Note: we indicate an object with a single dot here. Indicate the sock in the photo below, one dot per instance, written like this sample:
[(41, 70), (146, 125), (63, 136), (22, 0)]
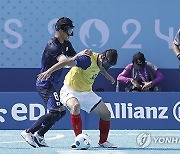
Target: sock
[(76, 124), (104, 127)]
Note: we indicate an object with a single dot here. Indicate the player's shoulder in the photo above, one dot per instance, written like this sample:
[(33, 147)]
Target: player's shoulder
[(52, 48), (83, 61), (52, 43), (67, 42)]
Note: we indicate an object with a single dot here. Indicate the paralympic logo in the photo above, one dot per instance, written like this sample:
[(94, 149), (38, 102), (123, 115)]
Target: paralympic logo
[(86, 31)]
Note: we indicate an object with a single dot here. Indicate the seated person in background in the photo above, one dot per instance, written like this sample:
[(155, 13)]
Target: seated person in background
[(141, 74)]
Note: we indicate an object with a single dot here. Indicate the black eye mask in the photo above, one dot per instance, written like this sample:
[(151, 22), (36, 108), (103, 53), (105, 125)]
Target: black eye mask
[(68, 31), (106, 64)]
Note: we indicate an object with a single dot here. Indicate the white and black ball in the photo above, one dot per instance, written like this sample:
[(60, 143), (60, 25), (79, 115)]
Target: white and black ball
[(83, 141)]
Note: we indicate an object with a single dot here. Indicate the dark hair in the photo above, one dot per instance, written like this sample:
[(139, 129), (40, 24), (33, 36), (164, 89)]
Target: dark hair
[(64, 23), (111, 55), (138, 60)]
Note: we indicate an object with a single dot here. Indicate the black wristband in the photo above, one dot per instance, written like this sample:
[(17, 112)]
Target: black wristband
[(178, 56)]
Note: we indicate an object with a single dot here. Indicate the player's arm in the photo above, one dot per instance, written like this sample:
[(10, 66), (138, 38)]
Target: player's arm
[(62, 57), (107, 75), (82, 61), (66, 62)]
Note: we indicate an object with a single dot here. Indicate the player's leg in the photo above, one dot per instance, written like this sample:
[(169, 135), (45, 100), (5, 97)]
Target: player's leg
[(74, 107), (56, 112), (42, 125), (104, 124), (28, 134), (68, 98), (54, 116), (45, 122), (56, 108)]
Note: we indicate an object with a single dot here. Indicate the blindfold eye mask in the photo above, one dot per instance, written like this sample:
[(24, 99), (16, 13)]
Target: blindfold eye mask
[(105, 63), (68, 31)]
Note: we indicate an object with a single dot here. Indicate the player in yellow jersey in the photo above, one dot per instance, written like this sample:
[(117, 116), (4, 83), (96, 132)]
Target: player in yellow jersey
[(77, 91)]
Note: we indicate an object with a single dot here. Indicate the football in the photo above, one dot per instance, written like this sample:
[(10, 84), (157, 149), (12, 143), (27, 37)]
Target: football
[(83, 141)]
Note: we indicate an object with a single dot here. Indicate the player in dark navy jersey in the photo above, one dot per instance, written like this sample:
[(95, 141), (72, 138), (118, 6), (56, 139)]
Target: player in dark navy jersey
[(57, 49)]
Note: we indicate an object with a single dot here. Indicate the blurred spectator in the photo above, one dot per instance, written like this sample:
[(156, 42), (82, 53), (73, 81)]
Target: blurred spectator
[(176, 44), (141, 75)]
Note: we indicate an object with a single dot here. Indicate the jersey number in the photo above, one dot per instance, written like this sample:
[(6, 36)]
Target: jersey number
[(57, 98)]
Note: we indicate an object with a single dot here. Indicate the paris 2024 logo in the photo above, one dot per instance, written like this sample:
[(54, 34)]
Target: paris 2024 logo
[(94, 33)]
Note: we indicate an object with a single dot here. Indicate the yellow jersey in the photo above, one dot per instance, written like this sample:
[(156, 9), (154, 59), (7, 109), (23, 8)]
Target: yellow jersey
[(82, 80)]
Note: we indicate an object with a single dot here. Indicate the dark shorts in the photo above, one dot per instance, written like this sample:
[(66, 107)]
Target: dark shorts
[(50, 96)]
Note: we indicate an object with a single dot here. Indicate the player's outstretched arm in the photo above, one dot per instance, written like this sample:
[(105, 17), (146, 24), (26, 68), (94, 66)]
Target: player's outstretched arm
[(66, 62), (63, 62), (107, 75)]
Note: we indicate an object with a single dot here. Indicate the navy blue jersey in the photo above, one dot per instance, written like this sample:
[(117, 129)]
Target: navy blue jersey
[(52, 50), (83, 61)]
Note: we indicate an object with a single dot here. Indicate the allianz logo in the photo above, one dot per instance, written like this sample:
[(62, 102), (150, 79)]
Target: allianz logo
[(128, 111), (21, 112)]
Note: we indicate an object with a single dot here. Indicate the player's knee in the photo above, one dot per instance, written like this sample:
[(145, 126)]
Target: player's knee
[(75, 109)]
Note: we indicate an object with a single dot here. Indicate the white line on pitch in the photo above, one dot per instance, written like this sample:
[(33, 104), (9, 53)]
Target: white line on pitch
[(52, 138)]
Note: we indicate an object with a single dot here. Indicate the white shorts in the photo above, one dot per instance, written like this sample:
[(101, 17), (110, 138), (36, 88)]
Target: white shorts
[(87, 100)]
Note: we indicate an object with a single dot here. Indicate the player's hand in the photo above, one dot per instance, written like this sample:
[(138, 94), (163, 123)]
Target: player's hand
[(146, 86), (43, 76), (87, 52), (112, 80)]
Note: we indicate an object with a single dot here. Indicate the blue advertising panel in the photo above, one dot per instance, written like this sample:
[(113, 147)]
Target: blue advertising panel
[(126, 25), (128, 111)]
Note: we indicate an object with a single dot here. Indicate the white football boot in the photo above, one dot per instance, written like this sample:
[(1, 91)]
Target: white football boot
[(107, 145), (40, 140), (29, 138)]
